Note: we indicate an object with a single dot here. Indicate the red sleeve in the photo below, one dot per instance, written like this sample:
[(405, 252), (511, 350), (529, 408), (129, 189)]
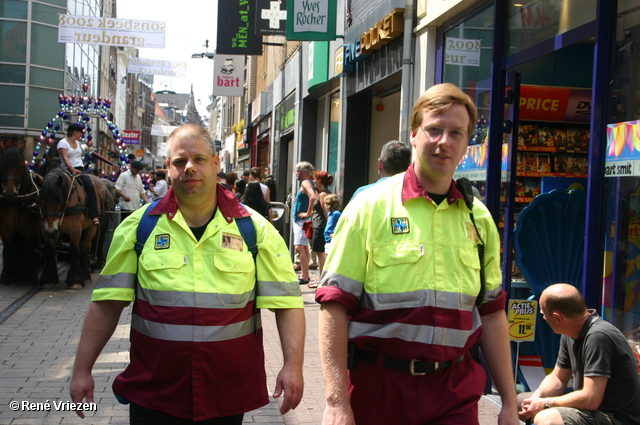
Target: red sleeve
[(335, 294), (490, 307)]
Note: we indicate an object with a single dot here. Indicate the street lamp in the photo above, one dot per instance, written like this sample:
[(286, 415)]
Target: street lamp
[(207, 54)]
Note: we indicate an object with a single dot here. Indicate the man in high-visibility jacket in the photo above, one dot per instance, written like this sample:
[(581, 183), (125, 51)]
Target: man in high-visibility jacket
[(400, 288), (196, 338)]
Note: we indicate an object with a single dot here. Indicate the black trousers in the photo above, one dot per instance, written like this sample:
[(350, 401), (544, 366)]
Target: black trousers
[(92, 201), (139, 415)]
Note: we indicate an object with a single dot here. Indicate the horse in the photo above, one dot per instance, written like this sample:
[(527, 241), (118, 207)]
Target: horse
[(19, 220), (63, 210)]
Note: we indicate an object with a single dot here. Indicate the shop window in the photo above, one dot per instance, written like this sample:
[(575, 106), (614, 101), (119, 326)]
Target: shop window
[(621, 300), (14, 9), (534, 21), (12, 106), (14, 41), (46, 14), (47, 77), (40, 106), (14, 74), (45, 49), (468, 51)]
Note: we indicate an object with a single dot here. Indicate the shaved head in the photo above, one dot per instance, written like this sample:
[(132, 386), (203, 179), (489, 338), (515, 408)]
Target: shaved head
[(564, 299)]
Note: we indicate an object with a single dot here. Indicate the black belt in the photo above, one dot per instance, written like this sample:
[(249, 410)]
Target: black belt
[(413, 366)]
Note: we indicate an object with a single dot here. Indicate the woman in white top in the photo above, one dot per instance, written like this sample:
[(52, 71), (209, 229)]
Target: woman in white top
[(71, 155), (161, 187)]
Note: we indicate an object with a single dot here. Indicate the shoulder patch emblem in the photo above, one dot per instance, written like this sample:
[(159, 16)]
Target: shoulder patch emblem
[(399, 225), (162, 241)]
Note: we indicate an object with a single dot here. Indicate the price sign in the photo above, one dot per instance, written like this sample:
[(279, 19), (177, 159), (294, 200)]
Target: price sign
[(522, 319)]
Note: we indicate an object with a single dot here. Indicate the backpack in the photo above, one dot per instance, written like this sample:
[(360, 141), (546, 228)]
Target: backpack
[(245, 226), (465, 187)]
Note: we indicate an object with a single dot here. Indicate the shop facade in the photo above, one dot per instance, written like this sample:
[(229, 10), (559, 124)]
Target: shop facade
[(556, 86), (371, 91)]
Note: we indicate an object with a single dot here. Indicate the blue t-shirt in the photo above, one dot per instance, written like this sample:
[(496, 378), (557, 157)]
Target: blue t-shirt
[(332, 222), (301, 204)]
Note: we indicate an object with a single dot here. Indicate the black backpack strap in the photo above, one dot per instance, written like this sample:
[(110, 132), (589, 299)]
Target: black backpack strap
[(464, 186), (248, 232)]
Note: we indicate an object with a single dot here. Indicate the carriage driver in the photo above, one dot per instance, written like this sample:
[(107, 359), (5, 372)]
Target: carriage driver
[(71, 154)]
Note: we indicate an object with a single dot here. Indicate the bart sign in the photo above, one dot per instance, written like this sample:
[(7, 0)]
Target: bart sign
[(522, 319)]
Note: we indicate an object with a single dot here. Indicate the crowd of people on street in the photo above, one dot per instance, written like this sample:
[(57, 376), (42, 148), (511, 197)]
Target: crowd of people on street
[(412, 310)]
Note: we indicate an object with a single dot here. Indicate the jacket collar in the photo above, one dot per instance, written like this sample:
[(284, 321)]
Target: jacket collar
[(227, 203), (411, 188)]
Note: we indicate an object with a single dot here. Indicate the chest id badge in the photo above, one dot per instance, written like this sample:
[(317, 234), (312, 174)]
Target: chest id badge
[(399, 225), (231, 241), (162, 241)]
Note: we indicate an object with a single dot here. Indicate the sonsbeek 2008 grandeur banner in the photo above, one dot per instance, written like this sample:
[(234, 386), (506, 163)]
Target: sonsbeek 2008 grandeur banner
[(157, 67), (110, 31)]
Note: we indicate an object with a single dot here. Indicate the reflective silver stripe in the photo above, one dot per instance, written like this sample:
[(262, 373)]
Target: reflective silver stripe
[(420, 298), (193, 299), (415, 333), (188, 333), (349, 285), (278, 289), (120, 280), (491, 295)]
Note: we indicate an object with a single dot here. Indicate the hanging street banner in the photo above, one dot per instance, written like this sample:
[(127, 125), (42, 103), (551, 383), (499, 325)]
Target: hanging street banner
[(157, 67), (311, 20), (271, 17), (131, 137), (236, 29), (162, 130), (228, 75), (110, 31)]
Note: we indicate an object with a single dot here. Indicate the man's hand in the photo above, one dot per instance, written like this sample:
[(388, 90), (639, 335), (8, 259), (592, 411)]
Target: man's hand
[(291, 382), (81, 387), (338, 415), (530, 408), (126, 198)]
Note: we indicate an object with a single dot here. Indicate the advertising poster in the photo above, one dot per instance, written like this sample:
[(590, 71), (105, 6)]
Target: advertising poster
[(236, 29), (271, 17), (228, 75)]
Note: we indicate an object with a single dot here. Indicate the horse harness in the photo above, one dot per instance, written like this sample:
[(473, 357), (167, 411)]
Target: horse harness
[(18, 182), (76, 209)]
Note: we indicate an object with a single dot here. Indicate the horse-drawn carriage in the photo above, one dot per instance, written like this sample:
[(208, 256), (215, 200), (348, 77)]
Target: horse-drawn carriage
[(42, 216)]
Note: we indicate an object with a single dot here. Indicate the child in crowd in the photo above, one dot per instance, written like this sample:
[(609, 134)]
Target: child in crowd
[(332, 203)]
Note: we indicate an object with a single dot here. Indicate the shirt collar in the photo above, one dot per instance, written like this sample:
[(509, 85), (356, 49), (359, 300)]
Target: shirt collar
[(227, 203), (411, 188), (587, 323)]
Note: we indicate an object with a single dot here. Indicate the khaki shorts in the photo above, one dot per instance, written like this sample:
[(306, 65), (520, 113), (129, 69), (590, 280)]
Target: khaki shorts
[(572, 416)]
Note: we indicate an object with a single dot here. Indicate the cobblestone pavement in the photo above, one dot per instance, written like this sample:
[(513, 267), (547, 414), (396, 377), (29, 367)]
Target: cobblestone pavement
[(38, 342)]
